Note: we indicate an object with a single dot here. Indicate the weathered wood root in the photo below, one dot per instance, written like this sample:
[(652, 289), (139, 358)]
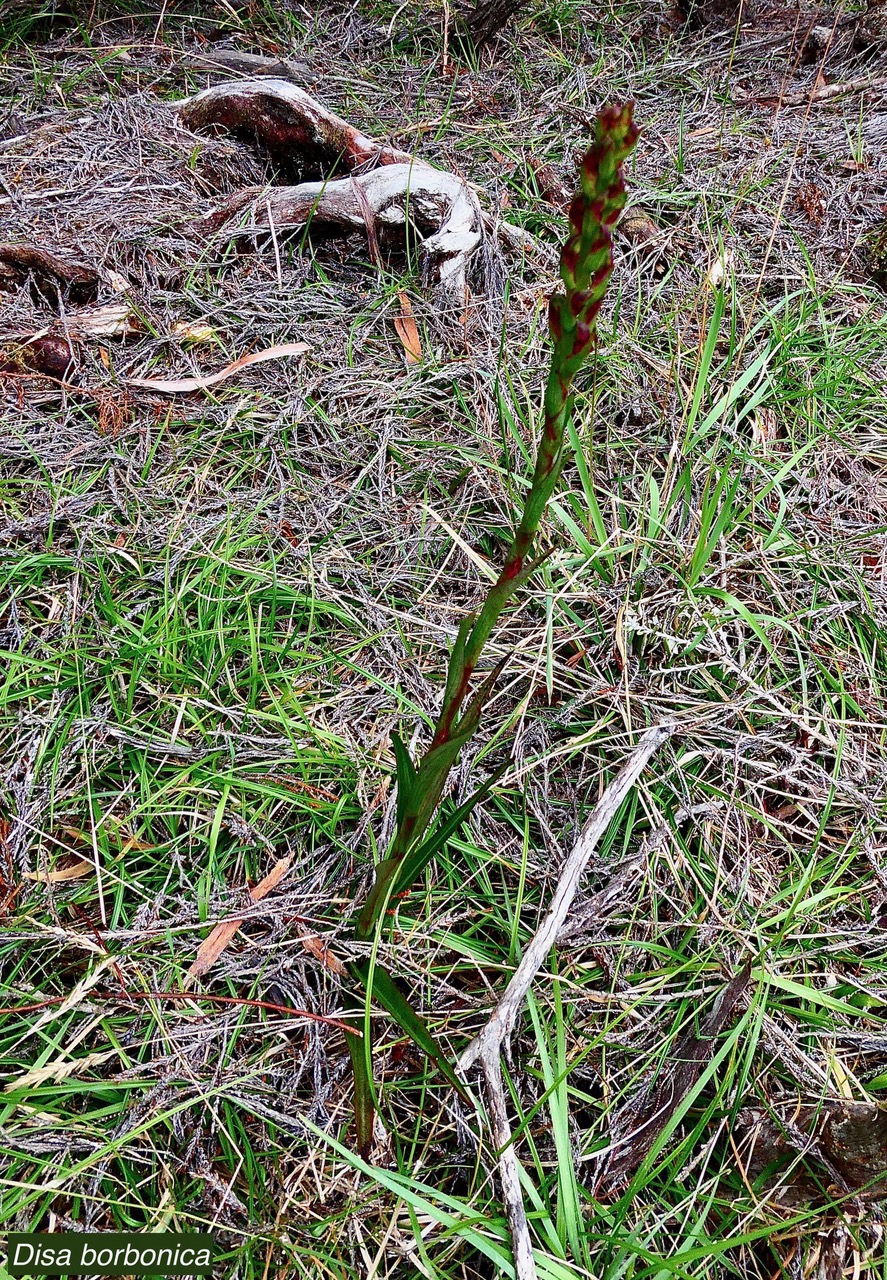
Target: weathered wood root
[(440, 208), (384, 188), (288, 123), (250, 64), (17, 261)]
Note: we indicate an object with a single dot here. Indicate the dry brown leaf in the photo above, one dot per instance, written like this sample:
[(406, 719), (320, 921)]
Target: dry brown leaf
[(552, 188), (405, 324), (318, 948), (213, 946), (114, 829), (637, 226), (118, 282), (112, 321), (620, 637), (74, 833), (133, 843), (75, 871), (210, 380), (828, 1141)]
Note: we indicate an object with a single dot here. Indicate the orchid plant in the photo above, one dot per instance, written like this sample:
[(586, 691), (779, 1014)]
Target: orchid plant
[(586, 266)]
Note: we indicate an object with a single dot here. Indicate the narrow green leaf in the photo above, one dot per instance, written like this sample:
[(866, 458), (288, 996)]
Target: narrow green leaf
[(730, 396), (595, 514), (706, 358), (485, 1234), (406, 778), (750, 619), (712, 526), (395, 1003), (415, 862), (457, 658), (364, 1098)]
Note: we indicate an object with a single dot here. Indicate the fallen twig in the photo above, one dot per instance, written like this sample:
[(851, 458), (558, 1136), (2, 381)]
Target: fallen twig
[(823, 92), (501, 1023), (486, 1047), (862, 84)]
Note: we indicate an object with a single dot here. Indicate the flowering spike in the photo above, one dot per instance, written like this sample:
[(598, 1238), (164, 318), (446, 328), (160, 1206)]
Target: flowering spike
[(587, 258)]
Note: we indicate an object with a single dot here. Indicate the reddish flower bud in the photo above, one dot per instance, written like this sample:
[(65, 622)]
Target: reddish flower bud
[(583, 338), (569, 260)]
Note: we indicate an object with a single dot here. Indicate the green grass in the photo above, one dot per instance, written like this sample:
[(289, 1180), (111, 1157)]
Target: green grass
[(218, 616)]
